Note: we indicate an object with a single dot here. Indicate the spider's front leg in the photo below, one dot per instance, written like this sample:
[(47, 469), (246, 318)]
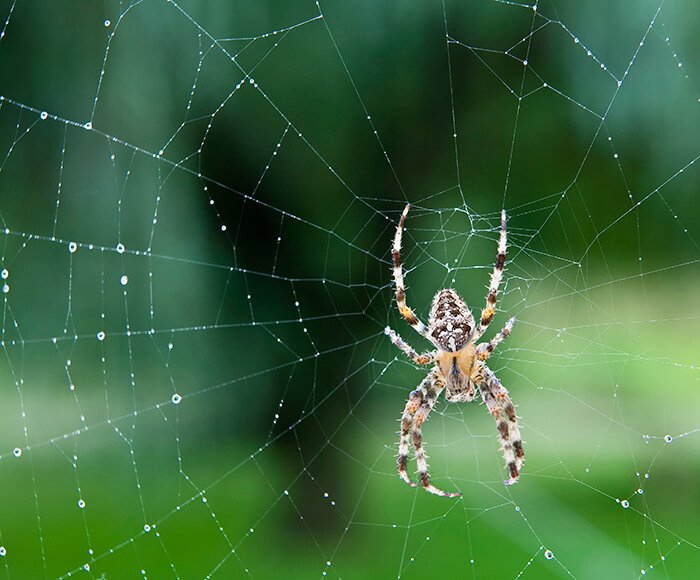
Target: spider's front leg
[(414, 401), (418, 407), (499, 404)]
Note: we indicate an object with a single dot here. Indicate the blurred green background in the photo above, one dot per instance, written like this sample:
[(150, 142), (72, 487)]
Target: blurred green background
[(200, 386)]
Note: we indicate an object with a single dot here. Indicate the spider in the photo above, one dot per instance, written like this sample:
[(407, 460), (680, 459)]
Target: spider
[(459, 366)]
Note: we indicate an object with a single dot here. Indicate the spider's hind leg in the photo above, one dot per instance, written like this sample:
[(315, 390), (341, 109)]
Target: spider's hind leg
[(405, 311), (496, 277)]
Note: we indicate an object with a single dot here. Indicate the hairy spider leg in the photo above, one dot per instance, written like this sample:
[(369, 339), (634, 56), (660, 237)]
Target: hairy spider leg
[(405, 311), (499, 404), (420, 403), (496, 277), (485, 349), (415, 398), (421, 415), (420, 359)]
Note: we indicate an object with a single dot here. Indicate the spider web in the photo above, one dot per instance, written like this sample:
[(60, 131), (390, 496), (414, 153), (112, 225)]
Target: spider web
[(197, 206)]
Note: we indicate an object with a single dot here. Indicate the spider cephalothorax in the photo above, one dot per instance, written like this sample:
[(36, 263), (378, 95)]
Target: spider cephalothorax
[(460, 365)]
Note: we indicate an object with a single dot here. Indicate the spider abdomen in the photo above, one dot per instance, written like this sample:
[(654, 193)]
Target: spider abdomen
[(451, 322)]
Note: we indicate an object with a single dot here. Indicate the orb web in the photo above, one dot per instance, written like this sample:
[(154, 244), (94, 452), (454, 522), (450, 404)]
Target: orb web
[(196, 228)]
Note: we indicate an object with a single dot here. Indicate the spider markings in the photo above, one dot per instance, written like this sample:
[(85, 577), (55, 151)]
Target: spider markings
[(452, 321), (459, 369)]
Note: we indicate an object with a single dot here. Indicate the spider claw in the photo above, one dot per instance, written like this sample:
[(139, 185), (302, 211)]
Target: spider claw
[(404, 476), (430, 488), (511, 481), (435, 491)]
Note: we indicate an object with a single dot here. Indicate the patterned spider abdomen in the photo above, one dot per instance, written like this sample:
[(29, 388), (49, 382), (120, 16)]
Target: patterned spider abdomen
[(451, 322)]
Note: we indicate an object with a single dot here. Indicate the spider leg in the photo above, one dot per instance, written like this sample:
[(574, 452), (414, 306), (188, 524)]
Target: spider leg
[(485, 349), (426, 405), (414, 401), (499, 404), (405, 311), (420, 359), (488, 312)]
